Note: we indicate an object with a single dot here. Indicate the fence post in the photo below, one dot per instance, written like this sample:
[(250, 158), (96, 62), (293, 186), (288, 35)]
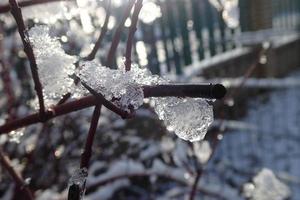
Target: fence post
[(182, 14), (198, 26)]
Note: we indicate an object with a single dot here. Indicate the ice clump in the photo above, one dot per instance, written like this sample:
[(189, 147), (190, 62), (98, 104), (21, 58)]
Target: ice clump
[(16, 135), (53, 63), (188, 118), (266, 186), (202, 151), (78, 181), (122, 88)]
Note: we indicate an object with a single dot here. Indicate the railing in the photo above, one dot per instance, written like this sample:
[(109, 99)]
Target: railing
[(192, 30)]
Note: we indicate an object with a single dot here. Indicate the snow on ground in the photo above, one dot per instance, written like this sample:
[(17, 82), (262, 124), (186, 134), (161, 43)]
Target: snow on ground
[(273, 144)]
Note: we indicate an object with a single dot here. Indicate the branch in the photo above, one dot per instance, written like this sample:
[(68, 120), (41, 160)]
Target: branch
[(85, 102), (20, 183), (132, 30), (195, 184), (117, 36), (17, 14), (93, 53), (86, 155), (6, 8)]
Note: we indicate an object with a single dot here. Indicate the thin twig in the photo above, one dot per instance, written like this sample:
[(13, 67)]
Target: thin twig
[(87, 152), (17, 14), (117, 35), (104, 29), (195, 184), (85, 102), (6, 8), (133, 27), (20, 183)]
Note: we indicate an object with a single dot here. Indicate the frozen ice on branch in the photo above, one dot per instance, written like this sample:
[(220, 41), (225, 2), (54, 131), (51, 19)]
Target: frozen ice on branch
[(188, 118), (53, 63)]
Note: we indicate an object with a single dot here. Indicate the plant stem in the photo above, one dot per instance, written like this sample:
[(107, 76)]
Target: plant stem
[(85, 102), (117, 36), (20, 183), (132, 30), (17, 14)]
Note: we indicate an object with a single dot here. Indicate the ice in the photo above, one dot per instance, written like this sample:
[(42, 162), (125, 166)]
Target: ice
[(149, 12), (79, 177), (53, 63), (202, 151), (78, 180), (123, 88), (266, 186), (16, 135), (188, 118)]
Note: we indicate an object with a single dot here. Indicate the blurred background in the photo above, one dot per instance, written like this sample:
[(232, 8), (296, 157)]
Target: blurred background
[(252, 150)]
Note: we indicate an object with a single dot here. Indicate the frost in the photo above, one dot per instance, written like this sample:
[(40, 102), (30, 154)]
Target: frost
[(188, 118), (266, 186), (53, 63), (16, 135), (79, 177)]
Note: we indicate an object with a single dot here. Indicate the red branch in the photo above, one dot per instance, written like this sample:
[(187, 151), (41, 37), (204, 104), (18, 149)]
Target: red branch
[(6, 8), (117, 36), (93, 53), (132, 30), (20, 183), (17, 14), (87, 152), (85, 102)]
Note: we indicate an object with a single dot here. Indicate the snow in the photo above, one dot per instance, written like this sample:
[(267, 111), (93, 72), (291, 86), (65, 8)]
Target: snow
[(266, 186), (149, 12), (16, 135), (113, 84), (54, 65), (202, 151), (79, 177), (118, 168), (106, 192)]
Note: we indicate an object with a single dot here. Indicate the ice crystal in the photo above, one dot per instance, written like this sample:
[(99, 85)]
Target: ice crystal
[(79, 177), (53, 63), (120, 87), (202, 151), (188, 118), (150, 11), (15, 136), (266, 186)]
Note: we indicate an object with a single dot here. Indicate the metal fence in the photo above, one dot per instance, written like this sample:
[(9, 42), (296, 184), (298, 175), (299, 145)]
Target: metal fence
[(191, 30)]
